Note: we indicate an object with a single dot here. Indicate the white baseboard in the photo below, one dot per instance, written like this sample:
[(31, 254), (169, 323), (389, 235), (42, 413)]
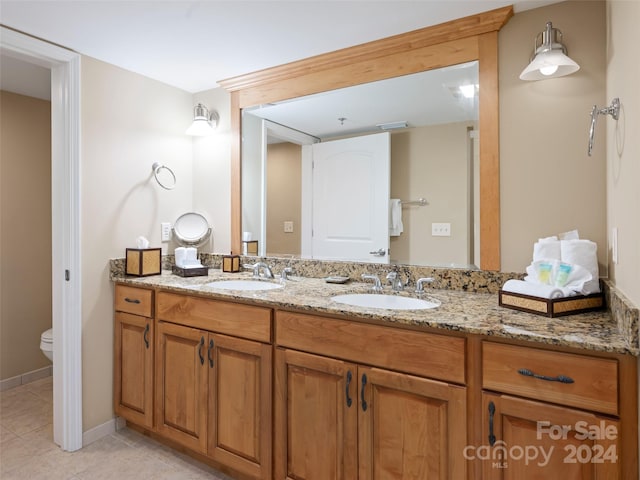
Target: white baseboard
[(96, 433), (28, 377)]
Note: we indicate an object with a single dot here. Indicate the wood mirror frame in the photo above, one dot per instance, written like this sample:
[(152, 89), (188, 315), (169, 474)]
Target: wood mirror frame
[(458, 41)]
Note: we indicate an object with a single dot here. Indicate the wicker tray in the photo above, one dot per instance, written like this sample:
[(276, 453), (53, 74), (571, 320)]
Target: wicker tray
[(551, 307)]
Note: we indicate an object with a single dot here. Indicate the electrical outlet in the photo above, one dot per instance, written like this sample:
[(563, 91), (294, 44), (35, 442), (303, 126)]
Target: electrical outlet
[(288, 227), (165, 231), (441, 229)]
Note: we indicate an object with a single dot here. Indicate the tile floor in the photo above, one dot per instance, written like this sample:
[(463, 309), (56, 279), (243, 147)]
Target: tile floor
[(27, 450)]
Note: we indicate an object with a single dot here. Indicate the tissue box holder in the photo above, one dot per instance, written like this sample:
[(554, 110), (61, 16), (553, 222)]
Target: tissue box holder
[(142, 262), (231, 263), (551, 307), (190, 272)]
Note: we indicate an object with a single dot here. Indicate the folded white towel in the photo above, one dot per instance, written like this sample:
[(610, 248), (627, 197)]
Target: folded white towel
[(536, 289), (181, 256), (585, 254), (395, 217), (546, 249), (576, 280)]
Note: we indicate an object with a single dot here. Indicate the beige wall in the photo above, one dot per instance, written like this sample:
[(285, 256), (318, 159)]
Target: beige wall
[(284, 189), (212, 171), (25, 232), (431, 162), (548, 183), (127, 122), (623, 143)]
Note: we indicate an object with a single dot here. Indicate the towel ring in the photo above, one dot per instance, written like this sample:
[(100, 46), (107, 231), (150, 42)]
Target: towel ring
[(156, 167)]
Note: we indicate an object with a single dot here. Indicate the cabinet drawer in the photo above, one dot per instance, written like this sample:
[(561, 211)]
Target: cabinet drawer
[(594, 386), (138, 301), (420, 353), (236, 319)]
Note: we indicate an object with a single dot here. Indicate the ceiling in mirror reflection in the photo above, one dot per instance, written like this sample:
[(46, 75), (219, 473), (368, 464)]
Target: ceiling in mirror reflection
[(422, 99)]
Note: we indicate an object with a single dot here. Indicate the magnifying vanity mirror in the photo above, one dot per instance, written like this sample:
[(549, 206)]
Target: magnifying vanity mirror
[(464, 45)]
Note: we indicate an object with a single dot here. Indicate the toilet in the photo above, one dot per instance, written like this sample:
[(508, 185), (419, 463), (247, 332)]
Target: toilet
[(46, 343)]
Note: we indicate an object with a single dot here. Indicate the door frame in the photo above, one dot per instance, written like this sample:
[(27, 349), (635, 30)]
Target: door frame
[(65, 215)]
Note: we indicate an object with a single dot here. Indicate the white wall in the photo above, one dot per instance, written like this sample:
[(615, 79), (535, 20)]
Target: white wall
[(623, 144), (128, 122)]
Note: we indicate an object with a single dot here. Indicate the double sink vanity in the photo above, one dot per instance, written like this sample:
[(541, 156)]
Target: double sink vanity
[(280, 379)]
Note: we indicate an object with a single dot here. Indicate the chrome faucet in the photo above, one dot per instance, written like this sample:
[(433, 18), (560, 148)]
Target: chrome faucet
[(420, 284), (377, 286), (266, 270), (395, 281)]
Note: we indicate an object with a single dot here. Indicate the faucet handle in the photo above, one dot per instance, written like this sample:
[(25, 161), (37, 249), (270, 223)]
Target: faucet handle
[(286, 271), (255, 267), (420, 284), (377, 286)]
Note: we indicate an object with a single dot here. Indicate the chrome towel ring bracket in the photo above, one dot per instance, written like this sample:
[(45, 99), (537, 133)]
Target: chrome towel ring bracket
[(157, 168), (613, 110)]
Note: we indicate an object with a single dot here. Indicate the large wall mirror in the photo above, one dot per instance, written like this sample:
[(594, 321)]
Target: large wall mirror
[(459, 172)]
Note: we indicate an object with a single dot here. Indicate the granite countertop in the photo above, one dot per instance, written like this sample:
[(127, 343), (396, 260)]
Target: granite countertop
[(476, 313)]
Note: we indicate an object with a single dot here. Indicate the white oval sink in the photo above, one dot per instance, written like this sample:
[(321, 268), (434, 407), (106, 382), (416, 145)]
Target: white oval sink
[(244, 285), (391, 302)]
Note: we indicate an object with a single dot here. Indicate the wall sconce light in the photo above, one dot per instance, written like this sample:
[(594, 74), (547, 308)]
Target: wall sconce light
[(204, 122), (549, 57)]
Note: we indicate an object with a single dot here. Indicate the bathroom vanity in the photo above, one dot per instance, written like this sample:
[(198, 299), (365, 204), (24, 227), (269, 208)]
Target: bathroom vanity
[(288, 384)]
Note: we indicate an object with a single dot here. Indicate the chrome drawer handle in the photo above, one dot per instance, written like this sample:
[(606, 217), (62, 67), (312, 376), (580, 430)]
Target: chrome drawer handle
[(559, 378)]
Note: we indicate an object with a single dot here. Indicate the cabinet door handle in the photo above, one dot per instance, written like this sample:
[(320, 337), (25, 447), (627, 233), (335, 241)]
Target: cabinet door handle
[(131, 300), (200, 350), (145, 336), (349, 377), (363, 402), (209, 350), (492, 437), (559, 378)]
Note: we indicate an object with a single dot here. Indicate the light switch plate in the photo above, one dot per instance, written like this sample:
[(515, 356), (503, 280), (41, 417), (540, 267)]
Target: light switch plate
[(614, 245), (165, 231), (288, 227), (441, 229)]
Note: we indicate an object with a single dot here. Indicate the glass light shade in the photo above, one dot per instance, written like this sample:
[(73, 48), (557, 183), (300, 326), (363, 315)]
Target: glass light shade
[(200, 127), (549, 64)]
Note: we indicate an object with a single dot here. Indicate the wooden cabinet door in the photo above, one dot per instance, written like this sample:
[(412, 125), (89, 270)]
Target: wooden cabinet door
[(410, 428), (239, 433), (133, 368), (181, 385), (534, 440), (315, 418)]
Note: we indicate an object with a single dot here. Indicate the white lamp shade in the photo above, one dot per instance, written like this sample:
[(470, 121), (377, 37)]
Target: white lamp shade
[(200, 127), (549, 64)]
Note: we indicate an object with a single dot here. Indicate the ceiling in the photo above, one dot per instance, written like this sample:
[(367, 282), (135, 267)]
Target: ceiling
[(425, 98), (193, 44)]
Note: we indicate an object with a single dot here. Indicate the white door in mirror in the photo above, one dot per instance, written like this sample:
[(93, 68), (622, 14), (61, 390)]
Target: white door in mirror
[(350, 199)]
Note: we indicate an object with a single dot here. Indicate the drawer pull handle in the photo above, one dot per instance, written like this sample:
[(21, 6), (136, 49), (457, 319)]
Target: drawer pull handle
[(200, 350), (349, 377), (492, 411), (145, 336), (131, 300), (209, 350), (363, 402), (559, 378)]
